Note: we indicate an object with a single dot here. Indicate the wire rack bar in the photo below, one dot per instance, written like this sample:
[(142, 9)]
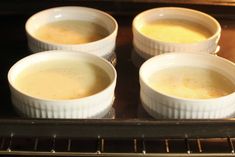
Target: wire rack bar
[(53, 144), (230, 145), (143, 146), (28, 153), (199, 145), (126, 129), (187, 145), (69, 145), (135, 145), (99, 145), (167, 146), (10, 142)]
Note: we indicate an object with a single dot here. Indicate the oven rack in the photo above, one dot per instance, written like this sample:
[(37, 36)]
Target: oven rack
[(140, 147), (117, 138)]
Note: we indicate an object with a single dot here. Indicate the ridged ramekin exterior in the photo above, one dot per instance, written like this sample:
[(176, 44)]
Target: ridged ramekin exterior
[(151, 47), (104, 47), (158, 104), (94, 106), (36, 108)]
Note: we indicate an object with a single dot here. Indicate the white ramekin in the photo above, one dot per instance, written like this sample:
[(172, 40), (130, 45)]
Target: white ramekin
[(104, 47), (94, 106), (157, 103), (148, 47)]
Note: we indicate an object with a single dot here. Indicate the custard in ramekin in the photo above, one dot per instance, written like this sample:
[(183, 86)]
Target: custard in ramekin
[(173, 29), (188, 86), (62, 84), (73, 28)]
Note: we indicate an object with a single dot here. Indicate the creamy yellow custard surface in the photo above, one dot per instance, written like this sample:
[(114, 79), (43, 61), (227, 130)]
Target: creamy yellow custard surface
[(175, 31), (191, 82), (62, 79), (70, 32)]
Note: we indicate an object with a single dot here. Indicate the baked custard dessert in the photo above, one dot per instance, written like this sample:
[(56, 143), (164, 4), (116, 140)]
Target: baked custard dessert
[(191, 82), (70, 32), (175, 31), (62, 79)]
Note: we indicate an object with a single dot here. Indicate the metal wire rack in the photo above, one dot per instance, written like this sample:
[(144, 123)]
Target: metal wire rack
[(77, 138), (53, 146)]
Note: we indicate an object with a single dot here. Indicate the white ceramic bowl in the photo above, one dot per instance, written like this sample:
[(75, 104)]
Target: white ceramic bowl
[(147, 47), (158, 104), (94, 106), (103, 47)]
